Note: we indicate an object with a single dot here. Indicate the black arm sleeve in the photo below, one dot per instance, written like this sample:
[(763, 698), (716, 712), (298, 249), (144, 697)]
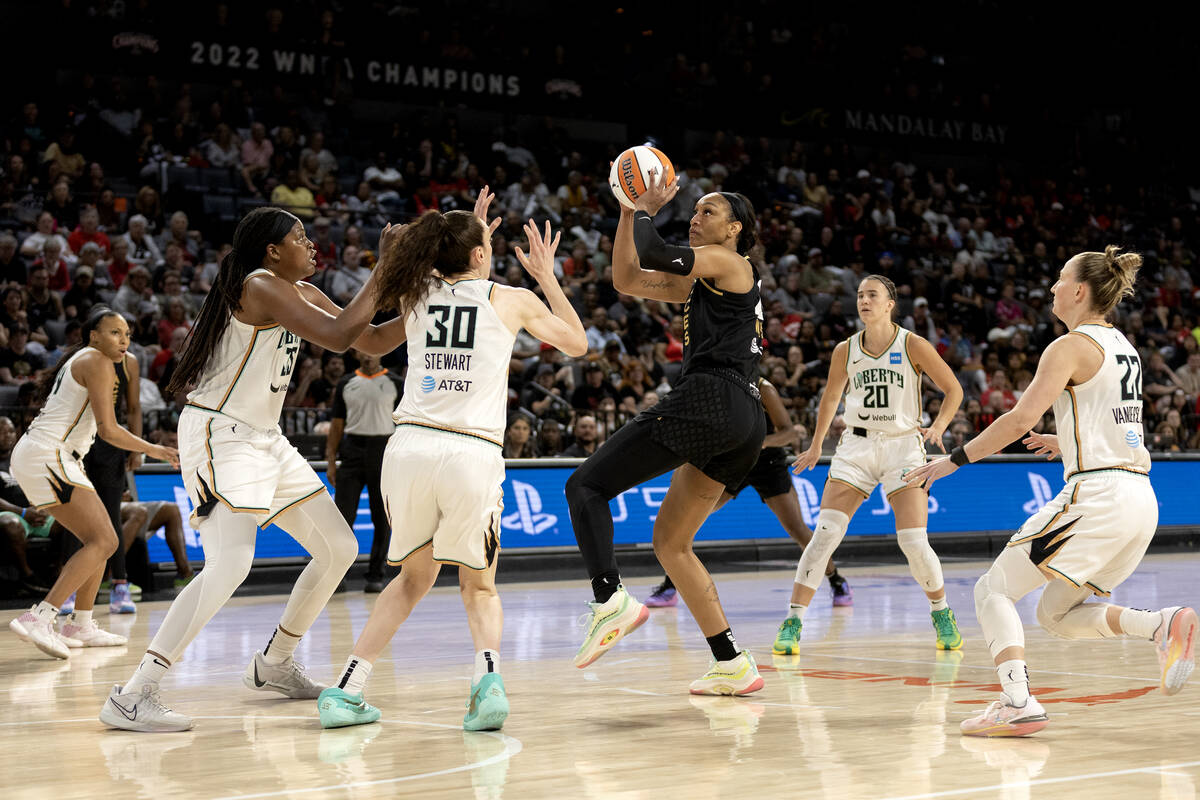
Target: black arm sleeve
[(656, 254)]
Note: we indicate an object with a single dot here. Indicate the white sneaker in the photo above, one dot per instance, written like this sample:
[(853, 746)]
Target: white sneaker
[(288, 678), (1175, 641), (141, 711), (29, 628), (607, 623), (738, 676), (1002, 719), (90, 635)]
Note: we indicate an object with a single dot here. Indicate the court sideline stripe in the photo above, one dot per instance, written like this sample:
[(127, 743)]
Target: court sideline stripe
[(1087, 776)]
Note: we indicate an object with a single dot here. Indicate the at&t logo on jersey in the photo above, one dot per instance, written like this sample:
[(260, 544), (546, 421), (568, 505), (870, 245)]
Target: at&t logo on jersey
[(428, 384), (1133, 440)]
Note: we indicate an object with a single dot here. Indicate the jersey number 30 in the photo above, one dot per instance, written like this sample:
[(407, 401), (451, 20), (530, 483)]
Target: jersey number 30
[(461, 330)]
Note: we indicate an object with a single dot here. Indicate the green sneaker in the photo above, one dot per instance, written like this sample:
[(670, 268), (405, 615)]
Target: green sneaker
[(339, 709), (488, 706), (948, 637), (607, 623), (787, 641), (182, 582)]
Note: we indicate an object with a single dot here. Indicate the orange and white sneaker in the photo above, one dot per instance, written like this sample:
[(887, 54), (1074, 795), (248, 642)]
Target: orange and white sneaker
[(91, 635), (738, 676), (1175, 641), (1003, 719)]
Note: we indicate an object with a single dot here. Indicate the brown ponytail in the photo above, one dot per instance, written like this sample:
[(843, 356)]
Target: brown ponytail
[(436, 242), (1110, 275)]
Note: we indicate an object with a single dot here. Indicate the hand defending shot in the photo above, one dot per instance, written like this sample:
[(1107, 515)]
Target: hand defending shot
[(482, 202), (540, 261)]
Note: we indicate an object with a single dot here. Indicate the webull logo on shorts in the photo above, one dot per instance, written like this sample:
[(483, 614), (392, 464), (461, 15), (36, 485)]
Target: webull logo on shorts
[(528, 518)]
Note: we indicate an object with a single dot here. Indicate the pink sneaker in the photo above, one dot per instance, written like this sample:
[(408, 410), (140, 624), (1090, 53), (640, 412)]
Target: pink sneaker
[(41, 635), (1002, 719), (92, 635), (664, 596), (1175, 640)]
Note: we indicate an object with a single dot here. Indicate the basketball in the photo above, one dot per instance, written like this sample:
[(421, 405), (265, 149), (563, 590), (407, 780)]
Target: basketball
[(630, 173)]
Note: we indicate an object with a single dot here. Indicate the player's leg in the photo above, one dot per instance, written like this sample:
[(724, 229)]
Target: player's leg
[(688, 502), (911, 507), (838, 503), (665, 595), (487, 707), (785, 505), (381, 530)]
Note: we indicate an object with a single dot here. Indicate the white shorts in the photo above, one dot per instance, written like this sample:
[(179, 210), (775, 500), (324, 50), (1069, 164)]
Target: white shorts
[(1094, 532), (444, 488), (248, 469), (861, 462), (46, 472)]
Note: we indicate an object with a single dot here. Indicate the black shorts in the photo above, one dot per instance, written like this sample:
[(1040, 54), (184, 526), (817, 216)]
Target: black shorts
[(712, 421), (769, 476)]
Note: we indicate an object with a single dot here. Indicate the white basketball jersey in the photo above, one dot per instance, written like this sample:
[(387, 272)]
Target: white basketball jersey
[(248, 373), (67, 415), (458, 354), (884, 390), (1100, 422)]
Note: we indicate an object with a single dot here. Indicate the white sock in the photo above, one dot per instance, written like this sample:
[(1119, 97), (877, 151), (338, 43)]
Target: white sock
[(1014, 677), (354, 675), (82, 618), (45, 612), (280, 647), (939, 604), (485, 661), (151, 670), (1140, 623), (796, 611)]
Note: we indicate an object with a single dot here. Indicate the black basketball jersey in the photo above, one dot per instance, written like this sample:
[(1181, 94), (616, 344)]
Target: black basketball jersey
[(101, 450), (722, 330)]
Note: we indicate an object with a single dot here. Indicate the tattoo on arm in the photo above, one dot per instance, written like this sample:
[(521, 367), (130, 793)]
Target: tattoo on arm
[(662, 283)]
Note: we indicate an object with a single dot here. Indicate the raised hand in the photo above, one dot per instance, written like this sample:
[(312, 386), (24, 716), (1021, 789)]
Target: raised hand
[(540, 261), (658, 193), (482, 202)]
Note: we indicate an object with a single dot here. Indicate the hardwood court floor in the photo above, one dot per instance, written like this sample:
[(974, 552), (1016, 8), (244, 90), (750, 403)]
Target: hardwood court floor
[(870, 709)]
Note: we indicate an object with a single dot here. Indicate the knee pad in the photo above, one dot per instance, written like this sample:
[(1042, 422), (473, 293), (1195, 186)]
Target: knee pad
[(827, 535), (923, 563)]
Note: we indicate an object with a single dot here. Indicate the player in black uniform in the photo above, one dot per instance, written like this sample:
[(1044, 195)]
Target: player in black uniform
[(709, 429), (771, 479)]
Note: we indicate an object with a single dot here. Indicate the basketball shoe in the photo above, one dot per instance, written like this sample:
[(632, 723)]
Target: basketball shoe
[(1175, 641), (787, 641), (92, 635), (120, 601), (944, 622), (287, 678), (339, 709), (607, 622), (738, 676), (1002, 719), (842, 596), (487, 707), (41, 634), (664, 596), (141, 711), (67, 607)]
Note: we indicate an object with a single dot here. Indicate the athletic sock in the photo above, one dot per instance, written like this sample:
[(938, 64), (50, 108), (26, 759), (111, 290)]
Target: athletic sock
[(605, 585), (796, 611), (82, 618), (354, 675), (1140, 623), (485, 661), (45, 612), (151, 670), (723, 646), (939, 605), (280, 647), (1014, 678)]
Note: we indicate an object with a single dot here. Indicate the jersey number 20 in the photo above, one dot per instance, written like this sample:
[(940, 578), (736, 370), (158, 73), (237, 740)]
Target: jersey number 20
[(461, 331), (876, 395)]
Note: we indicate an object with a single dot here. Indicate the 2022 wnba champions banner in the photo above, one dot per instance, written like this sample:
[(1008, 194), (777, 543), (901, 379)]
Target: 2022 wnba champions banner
[(986, 497)]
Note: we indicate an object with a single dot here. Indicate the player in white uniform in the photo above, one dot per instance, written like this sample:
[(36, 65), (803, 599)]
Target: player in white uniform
[(1092, 536), (48, 465), (880, 371), (239, 470), (443, 467)]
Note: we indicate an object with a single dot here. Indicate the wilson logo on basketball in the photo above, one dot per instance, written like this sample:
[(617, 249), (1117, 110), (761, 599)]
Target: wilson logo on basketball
[(627, 177)]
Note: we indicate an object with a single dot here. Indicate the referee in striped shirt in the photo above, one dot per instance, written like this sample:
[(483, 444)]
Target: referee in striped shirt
[(359, 430)]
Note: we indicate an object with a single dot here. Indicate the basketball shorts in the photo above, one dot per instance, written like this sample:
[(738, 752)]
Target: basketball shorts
[(1094, 532), (769, 476), (47, 473), (713, 422), (445, 488), (250, 470), (862, 462)]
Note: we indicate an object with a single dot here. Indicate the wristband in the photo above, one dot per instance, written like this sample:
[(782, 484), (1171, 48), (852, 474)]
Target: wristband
[(23, 510), (958, 457)]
